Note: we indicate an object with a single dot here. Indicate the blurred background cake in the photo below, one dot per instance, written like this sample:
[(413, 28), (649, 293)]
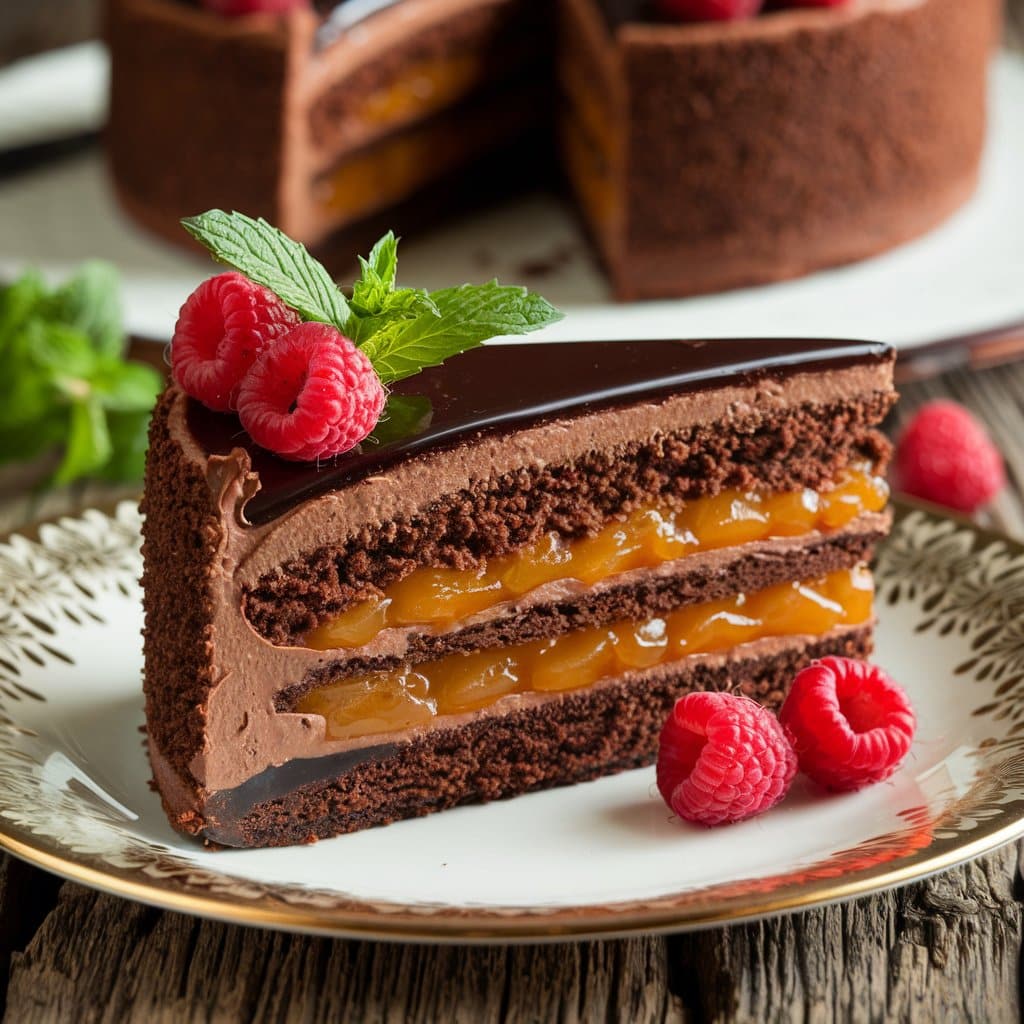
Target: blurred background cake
[(702, 154)]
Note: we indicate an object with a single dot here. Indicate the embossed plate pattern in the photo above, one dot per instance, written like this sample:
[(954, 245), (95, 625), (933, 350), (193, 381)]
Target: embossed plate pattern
[(597, 859)]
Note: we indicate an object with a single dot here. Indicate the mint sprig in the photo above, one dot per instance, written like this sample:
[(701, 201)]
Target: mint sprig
[(270, 258), (466, 317), (401, 330), (66, 383)]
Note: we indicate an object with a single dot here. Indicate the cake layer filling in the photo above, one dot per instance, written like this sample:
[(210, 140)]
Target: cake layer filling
[(394, 168), (439, 598), (383, 702)]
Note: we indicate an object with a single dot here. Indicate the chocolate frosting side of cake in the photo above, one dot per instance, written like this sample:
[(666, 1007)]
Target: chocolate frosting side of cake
[(212, 708), (720, 155)]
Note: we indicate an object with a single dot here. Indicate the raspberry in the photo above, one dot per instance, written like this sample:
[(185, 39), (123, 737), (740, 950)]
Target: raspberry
[(709, 10), (223, 326), (234, 7), (850, 724), (945, 456), (722, 758), (312, 395)]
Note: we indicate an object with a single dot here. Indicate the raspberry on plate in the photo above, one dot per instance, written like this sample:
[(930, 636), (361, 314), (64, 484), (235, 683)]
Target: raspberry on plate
[(945, 456), (849, 723), (709, 10), (222, 328), (310, 396), (722, 758)]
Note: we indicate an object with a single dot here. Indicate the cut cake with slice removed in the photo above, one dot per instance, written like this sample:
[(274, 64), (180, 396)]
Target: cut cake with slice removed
[(506, 587)]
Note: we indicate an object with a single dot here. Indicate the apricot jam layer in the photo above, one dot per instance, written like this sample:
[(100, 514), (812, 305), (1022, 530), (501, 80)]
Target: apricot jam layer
[(440, 598), (382, 702)]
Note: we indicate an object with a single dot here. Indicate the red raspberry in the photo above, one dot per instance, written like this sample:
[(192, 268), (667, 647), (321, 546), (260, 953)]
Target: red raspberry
[(709, 10), (722, 758), (223, 326), (310, 396), (945, 456), (234, 7), (850, 724)]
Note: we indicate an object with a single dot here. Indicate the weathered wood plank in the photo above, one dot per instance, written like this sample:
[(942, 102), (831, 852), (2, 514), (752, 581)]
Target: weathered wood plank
[(26, 897), (98, 959), (945, 949)]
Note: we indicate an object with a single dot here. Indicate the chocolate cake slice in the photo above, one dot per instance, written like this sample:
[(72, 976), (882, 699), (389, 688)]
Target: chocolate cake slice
[(509, 584)]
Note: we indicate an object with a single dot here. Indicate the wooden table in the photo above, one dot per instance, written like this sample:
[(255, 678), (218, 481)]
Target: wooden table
[(949, 948)]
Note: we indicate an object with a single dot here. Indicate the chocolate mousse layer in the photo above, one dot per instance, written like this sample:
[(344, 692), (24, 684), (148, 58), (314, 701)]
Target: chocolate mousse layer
[(479, 455)]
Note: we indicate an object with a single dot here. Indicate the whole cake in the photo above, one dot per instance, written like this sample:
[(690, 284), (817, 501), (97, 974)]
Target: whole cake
[(512, 587), (702, 156)]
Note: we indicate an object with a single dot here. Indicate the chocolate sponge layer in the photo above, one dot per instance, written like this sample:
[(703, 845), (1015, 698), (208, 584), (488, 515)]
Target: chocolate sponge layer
[(583, 736), (806, 446)]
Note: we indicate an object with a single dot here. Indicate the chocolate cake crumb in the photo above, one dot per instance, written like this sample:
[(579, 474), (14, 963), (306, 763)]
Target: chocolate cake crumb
[(804, 447)]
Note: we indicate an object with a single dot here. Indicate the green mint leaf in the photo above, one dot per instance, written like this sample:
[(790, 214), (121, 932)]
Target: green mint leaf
[(19, 302), (88, 442), (90, 302), (383, 261), (125, 387), (65, 383), (129, 439), (403, 416), (27, 388), (376, 304), (272, 259), (469, 315), (397, 307), (27, 440), (60, 350)]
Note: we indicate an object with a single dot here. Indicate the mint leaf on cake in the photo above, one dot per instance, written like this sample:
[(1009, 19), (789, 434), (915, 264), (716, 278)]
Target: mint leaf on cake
[(245, 341), (467, 316), (270, 258)]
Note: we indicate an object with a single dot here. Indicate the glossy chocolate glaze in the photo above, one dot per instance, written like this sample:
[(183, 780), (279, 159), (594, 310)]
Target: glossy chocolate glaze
[(505, 387), (227, 807)]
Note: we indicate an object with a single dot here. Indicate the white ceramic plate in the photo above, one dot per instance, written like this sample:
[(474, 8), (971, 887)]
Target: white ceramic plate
[(961, 279), (595, 859)]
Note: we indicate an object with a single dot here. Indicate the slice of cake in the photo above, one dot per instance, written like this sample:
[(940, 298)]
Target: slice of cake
[(509, 585)]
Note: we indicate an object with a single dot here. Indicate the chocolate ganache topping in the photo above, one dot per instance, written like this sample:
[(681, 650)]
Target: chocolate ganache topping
[(503, 386)]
